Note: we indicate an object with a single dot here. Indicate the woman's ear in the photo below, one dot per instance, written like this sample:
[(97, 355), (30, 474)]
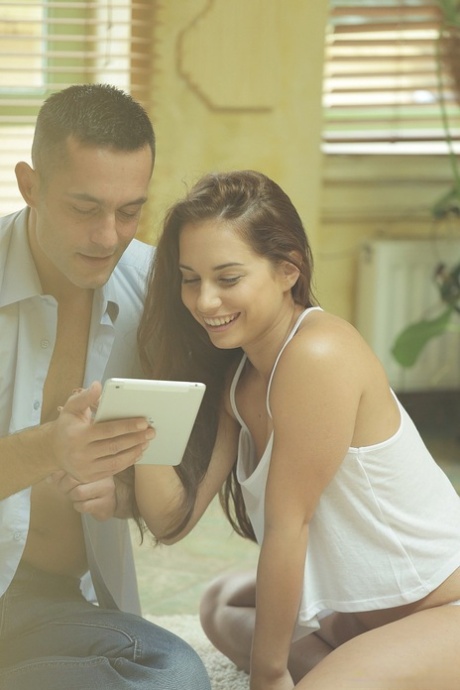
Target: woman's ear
[(290, 271), (27, 179)]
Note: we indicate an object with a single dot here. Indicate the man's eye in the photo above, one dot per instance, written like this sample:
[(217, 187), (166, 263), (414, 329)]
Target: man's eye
[(129, 215), (84, 211)]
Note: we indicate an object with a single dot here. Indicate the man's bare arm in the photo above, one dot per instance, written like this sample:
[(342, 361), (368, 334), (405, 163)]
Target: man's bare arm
[(72, 443), (22, 460)]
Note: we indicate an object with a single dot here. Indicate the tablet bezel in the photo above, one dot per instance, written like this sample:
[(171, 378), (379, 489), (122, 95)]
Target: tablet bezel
[(170, 407)]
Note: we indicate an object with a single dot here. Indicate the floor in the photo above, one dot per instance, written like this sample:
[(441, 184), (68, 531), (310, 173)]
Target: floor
[(172, 578)]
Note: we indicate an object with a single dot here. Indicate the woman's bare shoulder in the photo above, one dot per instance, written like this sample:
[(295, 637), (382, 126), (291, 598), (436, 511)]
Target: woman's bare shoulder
[(330, 351), (322, 333)]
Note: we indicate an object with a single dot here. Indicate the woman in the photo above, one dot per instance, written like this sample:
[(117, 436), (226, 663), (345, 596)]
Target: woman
[(358, 580)]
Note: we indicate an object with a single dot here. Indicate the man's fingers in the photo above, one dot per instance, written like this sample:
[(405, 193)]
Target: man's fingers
[(112, 457), (93, 490), (96, 498), (99, 508), (88, 450), (116, 451), (124, 427), (83, 398), (117, 459)]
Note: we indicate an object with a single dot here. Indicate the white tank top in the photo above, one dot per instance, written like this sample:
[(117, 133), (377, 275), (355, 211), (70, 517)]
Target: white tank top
[(386, 531)]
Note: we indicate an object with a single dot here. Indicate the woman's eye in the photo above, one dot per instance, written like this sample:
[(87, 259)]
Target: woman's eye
[(231, 280), (188, 281)]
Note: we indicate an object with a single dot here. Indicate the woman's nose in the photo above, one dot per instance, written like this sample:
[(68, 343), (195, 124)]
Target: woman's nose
[(208, 299)]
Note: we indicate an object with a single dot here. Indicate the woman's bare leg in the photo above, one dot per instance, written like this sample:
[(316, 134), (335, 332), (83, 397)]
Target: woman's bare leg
[(419, 652), (227, 615)]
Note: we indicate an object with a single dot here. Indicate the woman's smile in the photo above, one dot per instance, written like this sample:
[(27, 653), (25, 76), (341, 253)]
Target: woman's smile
[(219, 323)]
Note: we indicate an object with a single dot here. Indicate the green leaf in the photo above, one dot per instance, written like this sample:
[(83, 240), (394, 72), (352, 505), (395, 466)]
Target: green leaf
[(411, 341), (450, 10), (448, 203)]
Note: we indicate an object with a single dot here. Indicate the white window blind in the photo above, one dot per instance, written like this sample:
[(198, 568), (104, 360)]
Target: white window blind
[(385, 90), (46, 46)]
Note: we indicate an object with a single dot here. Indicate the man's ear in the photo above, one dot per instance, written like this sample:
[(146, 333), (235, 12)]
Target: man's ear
[(27, 179)]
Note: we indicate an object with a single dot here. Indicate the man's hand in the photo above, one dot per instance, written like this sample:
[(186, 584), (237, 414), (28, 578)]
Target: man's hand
[(98, 498), (103, 499), (89, 452)]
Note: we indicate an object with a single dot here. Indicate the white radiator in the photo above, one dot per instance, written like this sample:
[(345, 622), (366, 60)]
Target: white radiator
[(396, 288)]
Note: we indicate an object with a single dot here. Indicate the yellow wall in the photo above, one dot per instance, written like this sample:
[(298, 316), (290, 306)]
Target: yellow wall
[(237, 84), (373, 196)]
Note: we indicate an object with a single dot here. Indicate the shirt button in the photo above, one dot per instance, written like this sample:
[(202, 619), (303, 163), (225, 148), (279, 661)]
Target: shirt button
[(44, 343), (17, 536), (36, 404)]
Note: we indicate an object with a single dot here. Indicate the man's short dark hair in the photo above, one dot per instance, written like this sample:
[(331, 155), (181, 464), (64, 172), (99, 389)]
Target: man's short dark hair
[(95, 114)]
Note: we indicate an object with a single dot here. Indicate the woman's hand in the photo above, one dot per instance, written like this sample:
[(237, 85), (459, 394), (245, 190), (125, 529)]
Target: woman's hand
[(283, 682)]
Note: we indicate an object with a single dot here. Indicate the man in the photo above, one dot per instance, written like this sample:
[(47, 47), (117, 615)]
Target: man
[(71, 290)]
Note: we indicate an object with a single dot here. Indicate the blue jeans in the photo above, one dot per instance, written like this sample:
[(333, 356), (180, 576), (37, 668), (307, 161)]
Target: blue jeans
[(51, 638)]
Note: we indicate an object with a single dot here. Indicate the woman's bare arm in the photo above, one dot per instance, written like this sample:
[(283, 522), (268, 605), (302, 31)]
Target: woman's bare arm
[(159, 491), (315, 398)]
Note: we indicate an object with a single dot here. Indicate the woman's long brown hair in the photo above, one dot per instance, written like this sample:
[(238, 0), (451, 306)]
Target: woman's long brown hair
[(172, 345)]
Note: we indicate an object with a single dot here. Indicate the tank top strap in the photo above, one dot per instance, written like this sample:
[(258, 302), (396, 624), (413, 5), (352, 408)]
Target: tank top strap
[(237, 374), (236, 378), (288, 340)]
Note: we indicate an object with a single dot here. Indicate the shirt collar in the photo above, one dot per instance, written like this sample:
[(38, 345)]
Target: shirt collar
[(20, 277), (106, 297)]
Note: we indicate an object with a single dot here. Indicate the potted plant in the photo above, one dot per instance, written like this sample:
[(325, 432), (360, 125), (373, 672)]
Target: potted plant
[(412, 340)]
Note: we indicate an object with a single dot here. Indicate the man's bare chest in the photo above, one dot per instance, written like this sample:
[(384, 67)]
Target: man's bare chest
[(67, 367)]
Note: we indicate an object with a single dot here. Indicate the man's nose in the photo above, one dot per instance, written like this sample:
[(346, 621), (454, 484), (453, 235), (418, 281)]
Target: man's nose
[(105, 233)]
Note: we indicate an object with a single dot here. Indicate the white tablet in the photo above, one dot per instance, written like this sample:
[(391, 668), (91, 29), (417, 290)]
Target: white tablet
[(171, 408)]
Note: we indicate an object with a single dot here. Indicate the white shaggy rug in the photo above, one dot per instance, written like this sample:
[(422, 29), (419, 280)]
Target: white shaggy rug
[(223, 674)]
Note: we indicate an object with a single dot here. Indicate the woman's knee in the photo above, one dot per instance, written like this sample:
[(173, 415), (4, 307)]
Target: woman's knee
[(227, 615), (231, 590), (209, 606)]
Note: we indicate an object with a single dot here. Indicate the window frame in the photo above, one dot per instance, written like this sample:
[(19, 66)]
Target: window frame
[(345, 131), (74, 35)]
